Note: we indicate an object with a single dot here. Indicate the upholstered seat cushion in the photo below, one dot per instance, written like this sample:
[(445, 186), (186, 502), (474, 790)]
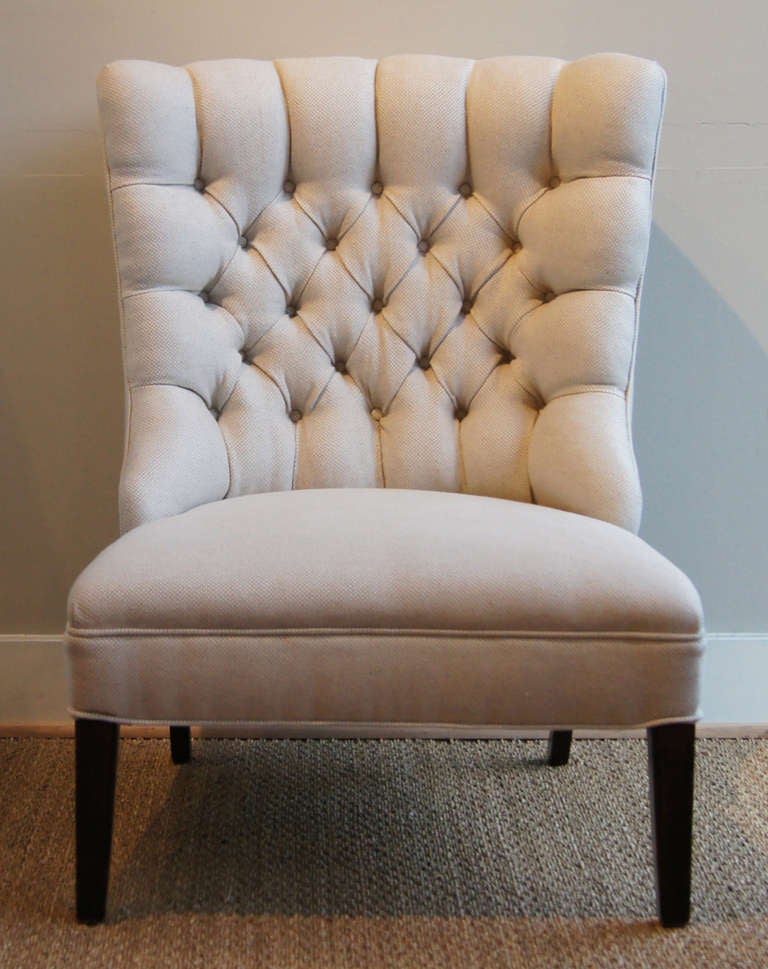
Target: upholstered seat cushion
[(383, 606)]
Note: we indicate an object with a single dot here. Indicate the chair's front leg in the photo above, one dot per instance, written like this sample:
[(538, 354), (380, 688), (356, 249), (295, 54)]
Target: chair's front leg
[(671, 766), (96, 745)]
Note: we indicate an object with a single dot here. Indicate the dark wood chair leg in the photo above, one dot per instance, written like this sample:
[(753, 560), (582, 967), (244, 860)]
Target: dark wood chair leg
[(671, 767), (96, 747), (181, 744), (559, 747)]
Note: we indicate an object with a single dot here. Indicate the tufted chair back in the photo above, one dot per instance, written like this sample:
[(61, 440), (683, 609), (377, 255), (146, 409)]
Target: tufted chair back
[(419, 273)]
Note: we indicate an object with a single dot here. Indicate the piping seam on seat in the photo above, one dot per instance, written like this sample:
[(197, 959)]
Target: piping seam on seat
[(136, 632)]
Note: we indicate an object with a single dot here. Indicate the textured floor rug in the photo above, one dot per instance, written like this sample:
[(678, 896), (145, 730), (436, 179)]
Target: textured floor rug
[(288, 854)]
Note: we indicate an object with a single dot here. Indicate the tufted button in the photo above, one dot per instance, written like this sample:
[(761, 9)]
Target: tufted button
[(466, 306), (199, 184), (423, 246), (289, 187), (295, 415), (245, 355), (554, 181), (340, 366), (242, 242), (547, 297), (291, 310), (507, 356), (424, 361), (331, 243), (377, 189), (376, 414), (465, 190), (205, 296), (378, 304), (460, 413), (516, 247)]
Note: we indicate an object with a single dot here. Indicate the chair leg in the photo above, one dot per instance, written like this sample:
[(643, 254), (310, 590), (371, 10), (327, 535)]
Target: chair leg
[(671, 753), (181, 744), (96, 747), (559, 747)]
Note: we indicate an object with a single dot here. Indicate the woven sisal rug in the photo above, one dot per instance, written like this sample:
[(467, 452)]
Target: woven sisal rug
[(288, 854)]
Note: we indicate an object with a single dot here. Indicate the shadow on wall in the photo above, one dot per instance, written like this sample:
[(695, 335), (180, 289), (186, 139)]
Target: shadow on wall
[(701, 437)]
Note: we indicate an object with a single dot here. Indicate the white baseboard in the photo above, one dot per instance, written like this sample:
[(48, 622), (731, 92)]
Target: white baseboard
[(33, 688), (33, 679), (734, 680)]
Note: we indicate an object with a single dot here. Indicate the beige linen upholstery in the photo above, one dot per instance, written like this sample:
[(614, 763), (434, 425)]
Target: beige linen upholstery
[(389, 606), (364, 302), (379, 325), (416, 273)]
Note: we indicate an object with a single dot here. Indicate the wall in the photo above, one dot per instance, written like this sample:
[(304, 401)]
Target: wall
[(702, 388)]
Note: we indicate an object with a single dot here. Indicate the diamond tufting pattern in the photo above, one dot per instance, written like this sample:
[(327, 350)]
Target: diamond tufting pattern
[(421, 272)]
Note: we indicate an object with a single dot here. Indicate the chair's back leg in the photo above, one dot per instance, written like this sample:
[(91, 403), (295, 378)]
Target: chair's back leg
[(671, 767), (96, 745), (559, 747), (181, 744)]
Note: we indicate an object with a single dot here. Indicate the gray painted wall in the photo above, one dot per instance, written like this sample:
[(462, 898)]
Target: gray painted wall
[(701, 401)]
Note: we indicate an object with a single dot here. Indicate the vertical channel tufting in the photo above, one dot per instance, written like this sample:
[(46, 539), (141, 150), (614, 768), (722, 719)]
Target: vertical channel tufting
[(420, 272)]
